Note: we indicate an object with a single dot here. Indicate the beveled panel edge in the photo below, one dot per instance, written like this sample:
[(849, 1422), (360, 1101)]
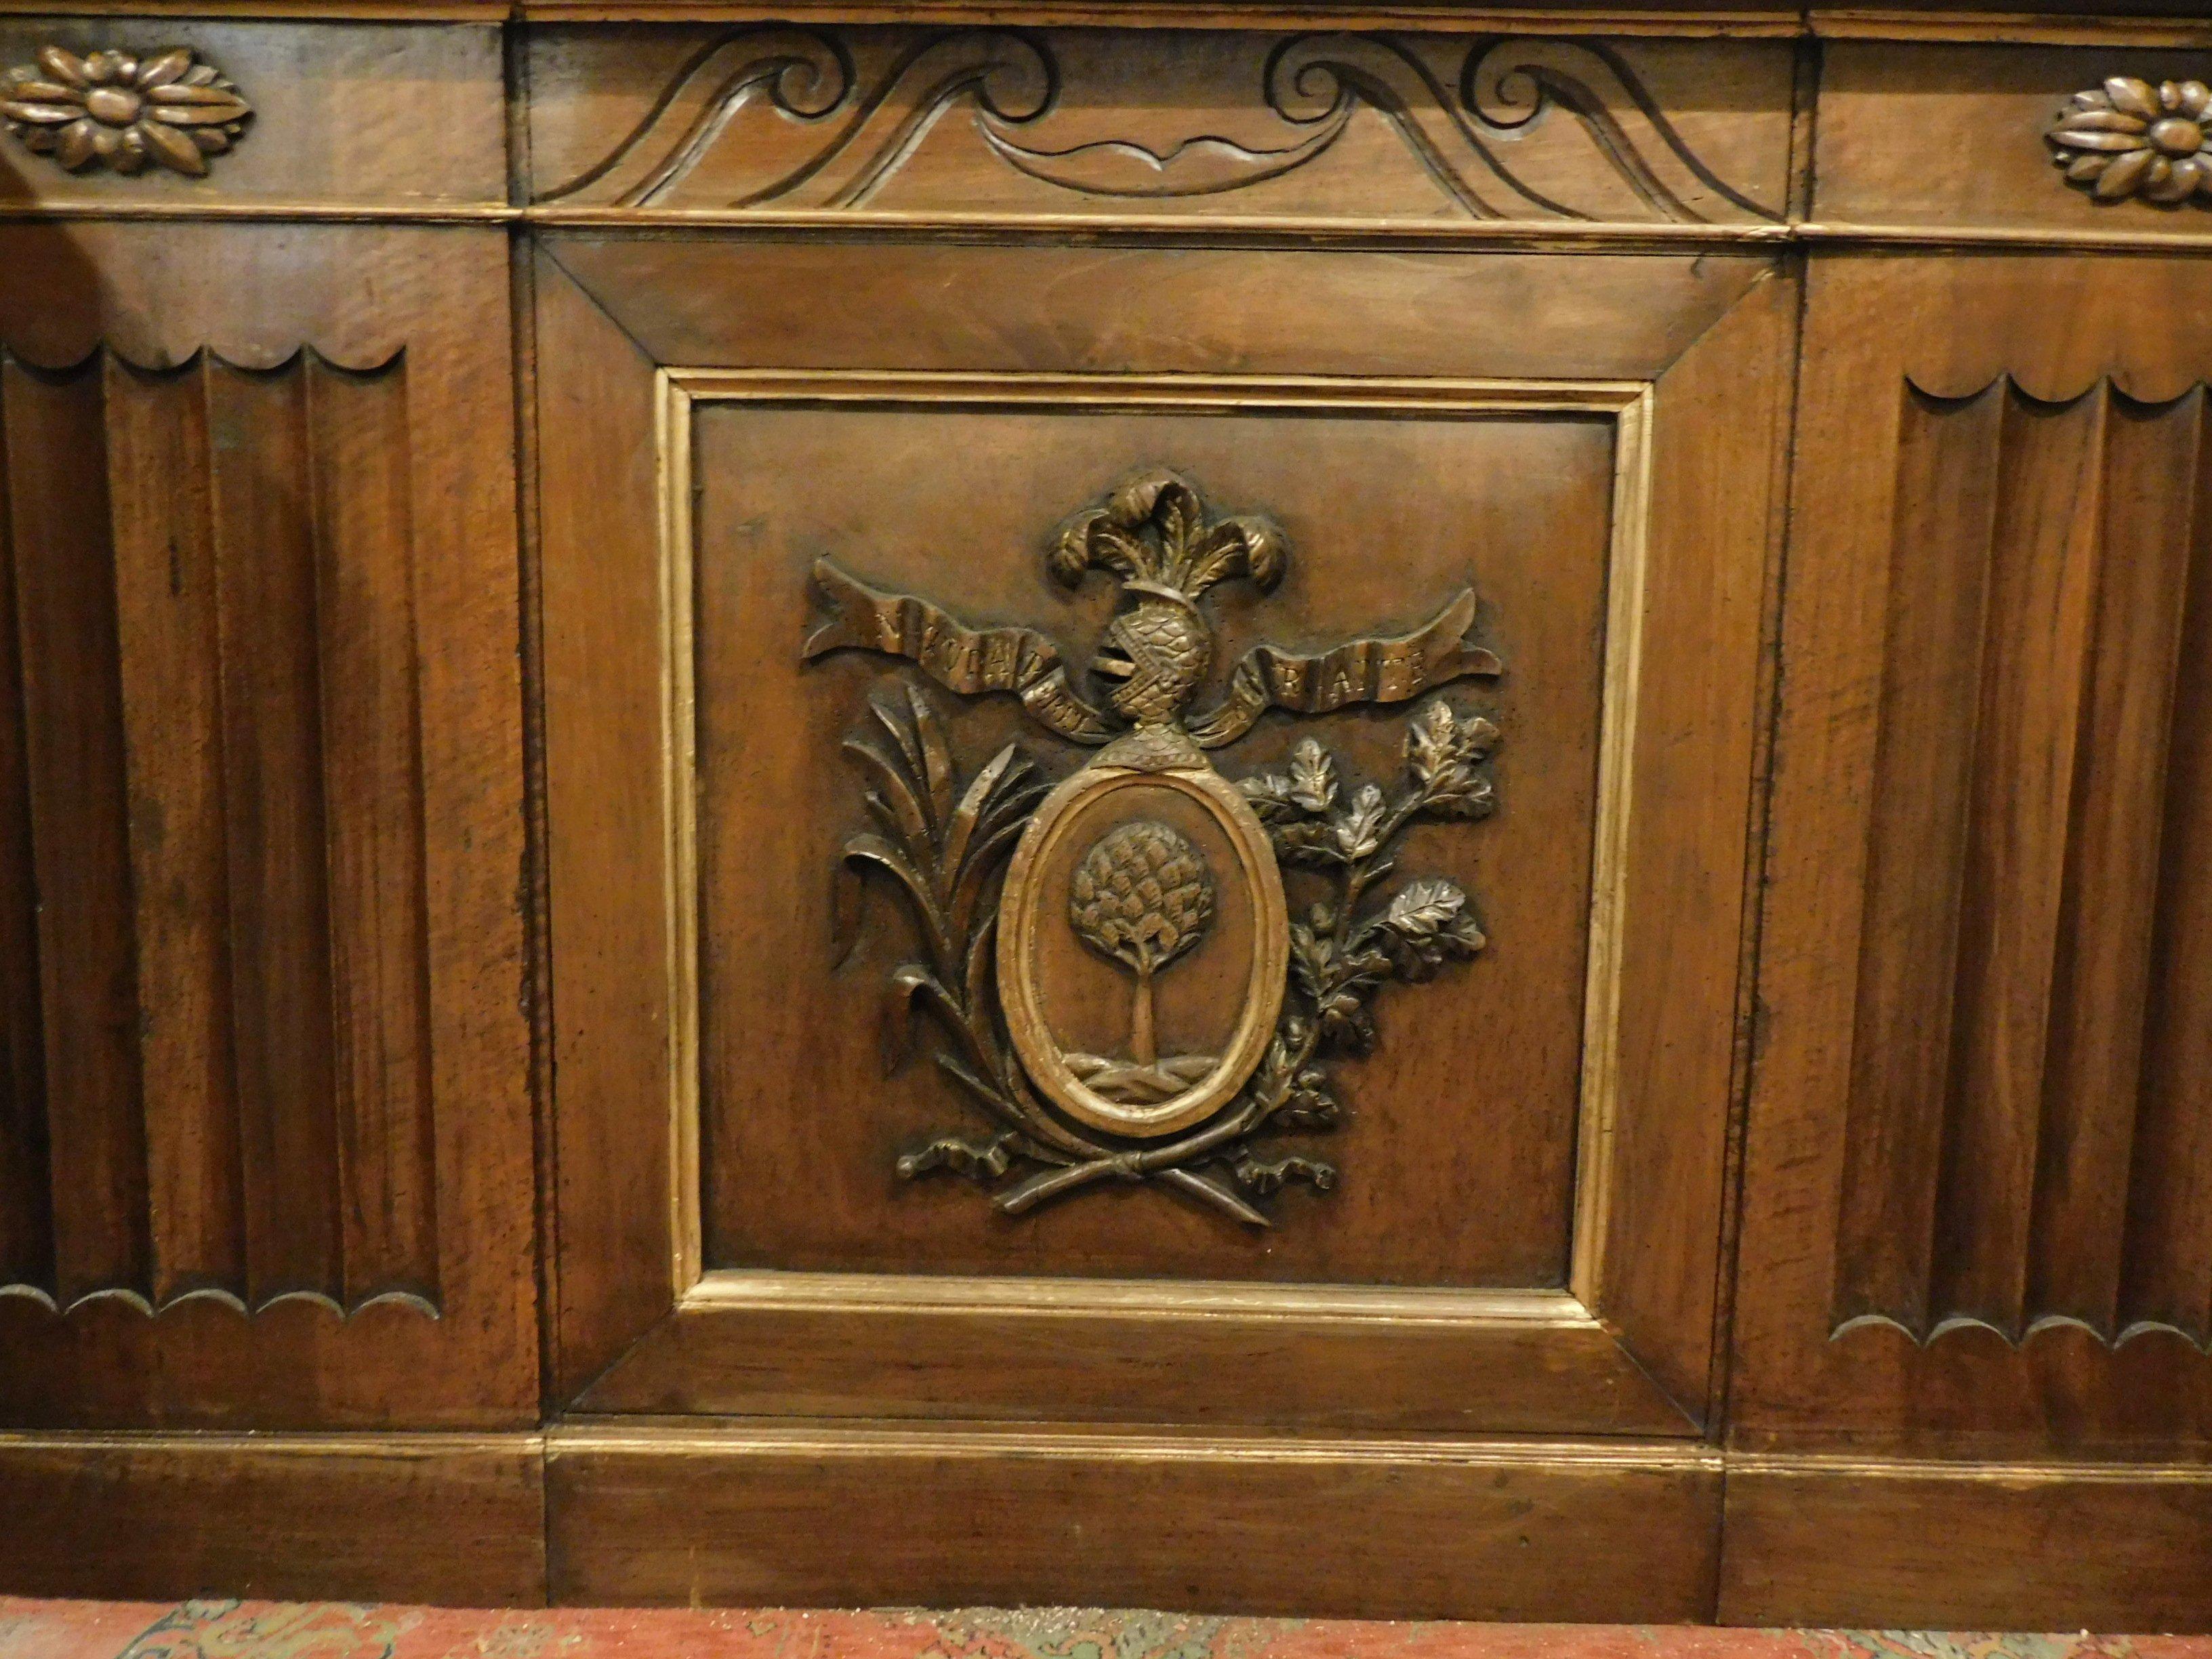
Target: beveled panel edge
[(750, 1290), (859, 1438), (2064, 22), (1815, 235), (1629, 402)]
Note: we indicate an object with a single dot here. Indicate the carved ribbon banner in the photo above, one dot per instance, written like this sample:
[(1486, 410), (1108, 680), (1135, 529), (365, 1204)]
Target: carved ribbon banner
[(1358, 671), (969, 661)]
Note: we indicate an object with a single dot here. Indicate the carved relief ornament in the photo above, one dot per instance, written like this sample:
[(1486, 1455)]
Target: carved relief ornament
[(1478, 132), (1122, 987), (124, 113), (2128, 138)]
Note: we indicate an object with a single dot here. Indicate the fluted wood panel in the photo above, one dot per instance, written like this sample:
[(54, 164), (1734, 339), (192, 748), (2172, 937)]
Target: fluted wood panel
[(2025, 1087), (223, 877)]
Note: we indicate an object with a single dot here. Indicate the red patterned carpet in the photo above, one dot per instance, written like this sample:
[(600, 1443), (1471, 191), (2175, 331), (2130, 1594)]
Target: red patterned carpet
[(323, 1630)]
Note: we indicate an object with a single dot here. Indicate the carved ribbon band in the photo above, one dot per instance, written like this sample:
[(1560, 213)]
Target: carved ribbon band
[(1358, 671), (966, 660), (1020, 660)]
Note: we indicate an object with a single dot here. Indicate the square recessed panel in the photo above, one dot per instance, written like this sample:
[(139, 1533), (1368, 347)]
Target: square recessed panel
[(1457, 1149)]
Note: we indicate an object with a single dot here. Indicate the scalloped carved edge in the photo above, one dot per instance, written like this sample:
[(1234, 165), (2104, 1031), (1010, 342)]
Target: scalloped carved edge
[(2039, 1325), (1314, 83), (116, 1296), (2097, 379), (273, 363)]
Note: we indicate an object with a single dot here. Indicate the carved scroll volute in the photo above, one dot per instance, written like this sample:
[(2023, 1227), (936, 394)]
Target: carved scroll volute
[(124, 112)]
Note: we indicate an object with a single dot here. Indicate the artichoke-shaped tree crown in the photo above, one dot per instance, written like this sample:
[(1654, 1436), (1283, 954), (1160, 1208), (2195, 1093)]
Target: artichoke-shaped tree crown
[(1142, 896)]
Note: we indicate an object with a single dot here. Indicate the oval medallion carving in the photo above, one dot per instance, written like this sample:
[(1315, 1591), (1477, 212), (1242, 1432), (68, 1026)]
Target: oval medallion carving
[(1143, 945)]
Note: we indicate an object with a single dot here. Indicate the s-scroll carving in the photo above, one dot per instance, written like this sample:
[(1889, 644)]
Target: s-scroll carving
[(1513, 112), (1113, 963)]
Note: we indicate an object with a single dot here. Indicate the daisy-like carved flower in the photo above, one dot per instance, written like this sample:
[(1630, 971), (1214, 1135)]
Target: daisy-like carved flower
[(122, 111), (2128, 137)]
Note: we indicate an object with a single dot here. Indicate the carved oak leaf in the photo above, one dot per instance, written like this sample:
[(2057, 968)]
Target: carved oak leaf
[(1426, 924), (2128, 137), (1443, 751), (1359, 831), (122, 111), (1313, 777)]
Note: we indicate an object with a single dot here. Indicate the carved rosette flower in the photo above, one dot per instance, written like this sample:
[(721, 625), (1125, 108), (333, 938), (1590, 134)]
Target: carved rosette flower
[(124, 113), (2128, 138)]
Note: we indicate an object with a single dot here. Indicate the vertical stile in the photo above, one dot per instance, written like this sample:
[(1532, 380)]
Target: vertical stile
[(1947, 467), (2042, 583), (27, 1234), (164, 621), (58, 489), (279, 913), (372, 780)]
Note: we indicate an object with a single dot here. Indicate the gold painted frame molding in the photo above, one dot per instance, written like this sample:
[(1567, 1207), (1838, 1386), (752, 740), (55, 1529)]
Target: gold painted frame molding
[(1628, 403)]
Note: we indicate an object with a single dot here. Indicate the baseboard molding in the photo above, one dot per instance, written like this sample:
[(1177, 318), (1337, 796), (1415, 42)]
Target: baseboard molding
[(1814, 1539), (455, 1519), (822, 1514), (1208, 1523)]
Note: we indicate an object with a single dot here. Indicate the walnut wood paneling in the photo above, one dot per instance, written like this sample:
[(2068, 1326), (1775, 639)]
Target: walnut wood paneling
[(69, 701), (270, 1159), (344, 115), (806, 1514), (443, 1518), (1944, 137), (1272, 344), (1976, 1196), (1839, 1540), (2015, 869), (182, 1118), (773, 119)]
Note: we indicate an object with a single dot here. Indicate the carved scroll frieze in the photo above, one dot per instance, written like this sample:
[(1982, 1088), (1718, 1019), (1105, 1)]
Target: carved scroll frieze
[(2130, 138), (122, 111), (792, 119), (1122, 987)]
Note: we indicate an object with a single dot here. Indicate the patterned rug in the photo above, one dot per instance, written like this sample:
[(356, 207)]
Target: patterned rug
[(326, 1630)]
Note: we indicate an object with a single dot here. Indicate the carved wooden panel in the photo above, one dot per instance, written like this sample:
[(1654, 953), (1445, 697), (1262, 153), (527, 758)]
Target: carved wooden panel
[(779, 120), (257, 874), (214, 597), (1950, 138), (339, 113), (760, 1175), (2031, 1022), (2000, 1081)]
